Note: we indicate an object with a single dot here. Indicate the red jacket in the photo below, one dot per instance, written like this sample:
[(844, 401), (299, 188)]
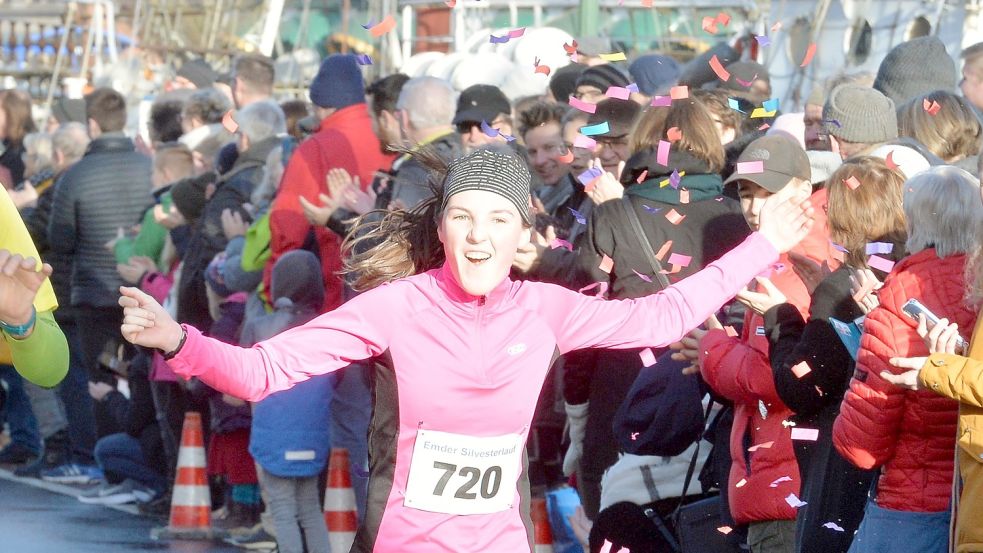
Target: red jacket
[(911, 434), (345, 139), (738, 369)]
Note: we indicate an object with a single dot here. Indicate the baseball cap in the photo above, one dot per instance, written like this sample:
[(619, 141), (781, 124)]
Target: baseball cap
[(781, 160), (481, 102), (619, 114)]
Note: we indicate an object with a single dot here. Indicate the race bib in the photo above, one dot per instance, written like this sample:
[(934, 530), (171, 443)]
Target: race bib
[(463, 475)]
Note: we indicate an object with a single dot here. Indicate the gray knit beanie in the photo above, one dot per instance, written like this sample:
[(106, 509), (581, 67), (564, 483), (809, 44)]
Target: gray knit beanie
[(918, 66), (483, 169), (860, 114)]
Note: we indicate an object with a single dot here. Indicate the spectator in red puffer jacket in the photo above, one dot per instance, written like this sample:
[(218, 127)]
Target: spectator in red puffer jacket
[(910, 435)]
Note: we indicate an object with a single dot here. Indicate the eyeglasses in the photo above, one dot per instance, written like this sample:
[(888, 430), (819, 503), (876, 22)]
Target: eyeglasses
[(609, 142), (464, 127)]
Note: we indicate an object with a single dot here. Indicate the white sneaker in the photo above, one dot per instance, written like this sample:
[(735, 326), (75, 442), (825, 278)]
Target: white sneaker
[(127, 491)]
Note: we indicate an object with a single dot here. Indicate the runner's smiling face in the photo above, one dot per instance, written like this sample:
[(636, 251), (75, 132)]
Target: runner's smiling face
[(480, 231)]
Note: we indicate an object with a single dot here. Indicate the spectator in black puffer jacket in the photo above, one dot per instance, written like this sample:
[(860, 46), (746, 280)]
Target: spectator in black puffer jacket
[(108, 189)]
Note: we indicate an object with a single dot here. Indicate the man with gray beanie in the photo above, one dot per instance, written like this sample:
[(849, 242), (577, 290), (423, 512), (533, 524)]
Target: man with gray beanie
[(918, 66), (858, 119)]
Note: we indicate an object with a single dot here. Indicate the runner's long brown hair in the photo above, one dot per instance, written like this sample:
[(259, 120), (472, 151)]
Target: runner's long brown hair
[(386, 245)]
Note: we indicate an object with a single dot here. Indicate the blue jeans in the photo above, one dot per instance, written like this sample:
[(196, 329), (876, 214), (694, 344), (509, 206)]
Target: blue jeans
[(888, 531), (18, 412), (351, 409), (120, 455), (74, 394)]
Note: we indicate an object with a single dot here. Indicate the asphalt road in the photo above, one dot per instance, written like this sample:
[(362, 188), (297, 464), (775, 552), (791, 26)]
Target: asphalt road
[(36, 519)]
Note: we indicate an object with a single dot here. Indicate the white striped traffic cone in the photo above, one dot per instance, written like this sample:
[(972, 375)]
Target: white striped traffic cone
[(339, 502), (190, 501), (542, 534)]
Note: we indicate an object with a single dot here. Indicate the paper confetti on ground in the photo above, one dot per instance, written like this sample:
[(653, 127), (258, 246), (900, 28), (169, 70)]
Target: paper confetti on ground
[(662, 154), (619, 92), (801, 369), (616, 56), (648, 358), (805, 434), (766, 445), (853, 182), (600, 128), (779, 481), (383, 27), (718, 69), (674, 217), (750, 167), (878, 262), (680, 259), (833, 526), (794, 502), (809, 54), (606, 264)]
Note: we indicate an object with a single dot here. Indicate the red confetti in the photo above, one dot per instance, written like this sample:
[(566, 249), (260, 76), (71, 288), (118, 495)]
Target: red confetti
[(766, 445), (889, 160), (932, 107), (386, 25), (718, 69), (641, 177), (674, 134), (661, 254), (566, 158), (809, 54), (570, 48)]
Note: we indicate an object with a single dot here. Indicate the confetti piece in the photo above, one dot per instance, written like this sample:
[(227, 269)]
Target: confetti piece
[(776, 26), (760, 112), (723, 19), (805, 434), (633, 87), (588, 176), (451, 3), (674, 217), (710, 25), (762, 40), (646, 278), (734, 105), (661, 254), (853, 182), (718, 69), (679, 92), (683, 196), (794, 502), (651, 209), (838, 247), (634, 435), (675, 269), (578, 216), (363, 59), (492, 132), (834, 122), (932, 107), (779, 481), (384, 26), (742, 82), (543, 69), (229, 123), (566, 158), (507, 37), (607, 548), (725, 530), (662, 154), (680, 259), (879, 247), (606, 264), (764, 127), (787, 423), (674, 179), (833, 526), (809, 54), (801, 369), (766, 445), (616, 56), (878, 262), (618, 92), (750, 167), (584, 142), (730, 331), (570, 48), (600, 128), (741, 483), (674, 134), (661, 101), (560, 243), (648, 358), (770, 105), (601, 286), (645, 173)]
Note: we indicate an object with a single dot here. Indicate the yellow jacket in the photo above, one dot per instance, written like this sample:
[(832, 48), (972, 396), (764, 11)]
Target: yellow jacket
[(961, 378)]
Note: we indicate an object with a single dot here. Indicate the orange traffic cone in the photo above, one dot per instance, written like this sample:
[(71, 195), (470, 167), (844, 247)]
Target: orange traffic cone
[(542, 534), (339, 502), (190, 502)]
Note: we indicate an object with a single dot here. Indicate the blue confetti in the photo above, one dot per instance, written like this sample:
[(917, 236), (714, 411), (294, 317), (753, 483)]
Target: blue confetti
[(651, 209), (734, 105), (770, 105), (576, 215), (762, 40)]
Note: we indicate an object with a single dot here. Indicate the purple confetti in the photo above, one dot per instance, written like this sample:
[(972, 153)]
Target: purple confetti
[(838, 247), (633, 87), (833, 122), (646, 278), (363, 59), (879, 248), (588, 176), (674, 179), (576, 215), (762, 40), (651, 209)]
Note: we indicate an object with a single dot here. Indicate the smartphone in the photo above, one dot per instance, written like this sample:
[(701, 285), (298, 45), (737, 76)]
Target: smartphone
[(913, 308)]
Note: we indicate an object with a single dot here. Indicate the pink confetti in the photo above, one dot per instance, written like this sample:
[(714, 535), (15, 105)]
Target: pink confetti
[(674, 134), (742, 82), (801, 369), (741, 483), (779, 481), (805, 434), (661, 101), (852, 182), (889, 160), (619, 92), (725, 530), (809, 54), (750, 167), (683, 196), (648, 358), (646, 278), (384, 26), (561, 243), (718, 69), (679, 259), (776, 26), (730, 331), (601, 286), (583, 106), (585, 142), (878, 262), (794, 502), (606, 548), (834, 526), (674, 217), (932, 107), (641, 177), (634, 435), (661, 254), (606, 264), (679, 92), (766, 445), (662, 155)]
